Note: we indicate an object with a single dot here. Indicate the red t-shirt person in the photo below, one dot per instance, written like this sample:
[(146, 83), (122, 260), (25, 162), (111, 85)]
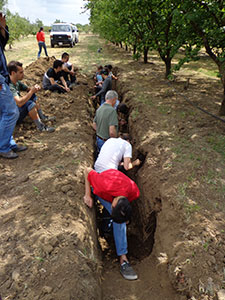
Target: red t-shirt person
[(40, 36), (113, 183)]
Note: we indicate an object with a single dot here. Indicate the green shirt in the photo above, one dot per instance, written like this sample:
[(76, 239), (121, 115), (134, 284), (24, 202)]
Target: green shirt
[(17, 88), (105, 116)]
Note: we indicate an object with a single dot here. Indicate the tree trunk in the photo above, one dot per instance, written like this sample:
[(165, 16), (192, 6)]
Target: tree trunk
[(168, 67), (126, 48), (146, 54), (121, 45), (117, 44), (222, 73), (134, 49)]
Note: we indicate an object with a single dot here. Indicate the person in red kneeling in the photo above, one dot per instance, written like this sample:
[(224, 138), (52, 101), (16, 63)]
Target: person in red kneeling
[(115, 191), (41, 41)]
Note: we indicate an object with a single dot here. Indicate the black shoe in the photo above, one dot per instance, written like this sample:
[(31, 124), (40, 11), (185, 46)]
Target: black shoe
[(45, 128), (8, 155), (19, 148)]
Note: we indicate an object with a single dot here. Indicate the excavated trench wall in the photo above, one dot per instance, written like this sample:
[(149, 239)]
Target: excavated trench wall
[(142, 229)]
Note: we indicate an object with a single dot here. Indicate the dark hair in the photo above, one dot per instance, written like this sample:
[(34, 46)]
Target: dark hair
[(126, 136), (13, 66), (122, 211), (100, 67), (65, 54), (41, 28), (123, 108), (104, 71), (109, 67), (57, 63)]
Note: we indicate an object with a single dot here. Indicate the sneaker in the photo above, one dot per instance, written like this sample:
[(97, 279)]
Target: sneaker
[(48, 118), (127, 271), (46, 128), (8, 155), (19, 148)]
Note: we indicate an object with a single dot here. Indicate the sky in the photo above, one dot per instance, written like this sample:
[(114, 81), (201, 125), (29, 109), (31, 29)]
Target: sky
[(49, 10)]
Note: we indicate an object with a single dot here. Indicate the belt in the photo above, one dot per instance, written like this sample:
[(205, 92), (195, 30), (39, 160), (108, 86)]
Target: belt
[(102, 138)]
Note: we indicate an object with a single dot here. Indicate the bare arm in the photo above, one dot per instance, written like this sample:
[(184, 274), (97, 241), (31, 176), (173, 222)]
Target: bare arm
[(94, 125), (87, 197), (128, 164), (64, 84), (112, 131), (20, 101)]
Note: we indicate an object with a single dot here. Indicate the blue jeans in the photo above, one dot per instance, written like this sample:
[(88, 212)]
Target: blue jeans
[(100, 143), (26, 108), (42, 44), (9, 114), (102, 99), (119, 231)]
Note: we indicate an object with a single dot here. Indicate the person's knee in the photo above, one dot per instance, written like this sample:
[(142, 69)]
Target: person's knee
[(31, 106)]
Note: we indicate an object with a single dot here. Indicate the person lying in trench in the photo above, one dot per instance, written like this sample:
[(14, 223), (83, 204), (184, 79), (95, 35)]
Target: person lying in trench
[(115, 191)]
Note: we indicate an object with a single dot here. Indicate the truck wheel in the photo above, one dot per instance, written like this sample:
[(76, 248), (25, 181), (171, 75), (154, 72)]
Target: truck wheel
[(71, 44), (52, 45)]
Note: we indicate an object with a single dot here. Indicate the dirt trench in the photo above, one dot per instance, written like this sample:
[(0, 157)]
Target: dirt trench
[(49, 243)]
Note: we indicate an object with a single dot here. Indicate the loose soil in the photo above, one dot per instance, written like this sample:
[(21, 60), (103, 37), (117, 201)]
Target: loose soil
[(50, 248)]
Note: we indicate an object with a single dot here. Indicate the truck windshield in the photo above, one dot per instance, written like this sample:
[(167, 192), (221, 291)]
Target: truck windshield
[(65, 28)]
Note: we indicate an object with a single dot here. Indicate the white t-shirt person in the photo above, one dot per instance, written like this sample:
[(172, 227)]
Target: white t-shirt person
[(112, 153)]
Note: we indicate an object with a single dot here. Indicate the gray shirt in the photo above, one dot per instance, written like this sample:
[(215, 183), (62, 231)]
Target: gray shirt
[(105, 117), (106, 86)]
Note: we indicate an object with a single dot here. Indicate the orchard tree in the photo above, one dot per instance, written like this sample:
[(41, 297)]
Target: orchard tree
[(18, 27), (207, 18), (38, 23), (2, 4)]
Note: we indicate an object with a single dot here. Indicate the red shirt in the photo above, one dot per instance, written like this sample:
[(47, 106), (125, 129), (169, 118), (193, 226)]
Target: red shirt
[(113, 183), (40, 36)]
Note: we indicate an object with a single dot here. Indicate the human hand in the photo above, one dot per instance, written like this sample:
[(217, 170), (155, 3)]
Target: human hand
[(67, 89), (37, 86), (2, 20), (137, 162), (34, 89), (88, 201), (93, 97)]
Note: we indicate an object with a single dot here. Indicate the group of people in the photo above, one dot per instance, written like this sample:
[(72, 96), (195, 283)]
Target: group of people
[(14, 106), (108, 180)]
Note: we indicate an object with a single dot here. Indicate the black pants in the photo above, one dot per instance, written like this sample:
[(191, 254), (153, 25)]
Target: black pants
[(69, 77)]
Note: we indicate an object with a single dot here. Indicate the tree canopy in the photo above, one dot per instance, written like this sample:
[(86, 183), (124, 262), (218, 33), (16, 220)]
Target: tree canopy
[(165, 26)]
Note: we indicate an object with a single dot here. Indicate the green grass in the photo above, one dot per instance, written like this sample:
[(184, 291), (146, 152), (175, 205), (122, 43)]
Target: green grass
[(134, 113), (217, 143)]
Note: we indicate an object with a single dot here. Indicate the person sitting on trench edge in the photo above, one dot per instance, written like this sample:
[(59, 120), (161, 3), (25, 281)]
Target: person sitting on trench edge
[(53, 79), (68, 71), (27, 104), (115, 191)]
